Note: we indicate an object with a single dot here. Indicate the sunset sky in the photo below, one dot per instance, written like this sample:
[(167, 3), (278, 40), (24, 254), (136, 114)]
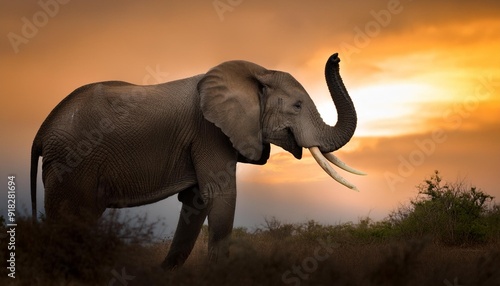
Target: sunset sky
[(424, 77)]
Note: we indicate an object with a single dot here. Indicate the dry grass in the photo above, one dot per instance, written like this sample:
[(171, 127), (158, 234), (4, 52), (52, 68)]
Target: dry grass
[(262, 260), (263, 257), (409, 248)]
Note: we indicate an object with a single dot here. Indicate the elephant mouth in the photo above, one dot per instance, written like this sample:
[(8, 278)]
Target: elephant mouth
[(293, 147), (286, 140)]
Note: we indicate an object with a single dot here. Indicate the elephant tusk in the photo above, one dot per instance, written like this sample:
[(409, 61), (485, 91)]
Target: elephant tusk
[(318, 156), (337, 162)]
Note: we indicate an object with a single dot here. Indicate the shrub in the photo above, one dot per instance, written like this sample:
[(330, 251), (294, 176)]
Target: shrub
[(450, 213), (73, 252)]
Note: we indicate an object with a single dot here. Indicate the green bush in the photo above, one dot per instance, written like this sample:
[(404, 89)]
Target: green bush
[(450, 213)]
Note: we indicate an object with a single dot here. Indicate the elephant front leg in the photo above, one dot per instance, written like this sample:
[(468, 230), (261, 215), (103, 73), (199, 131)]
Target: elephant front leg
[(193, 214), (216, 176), (220, 225)]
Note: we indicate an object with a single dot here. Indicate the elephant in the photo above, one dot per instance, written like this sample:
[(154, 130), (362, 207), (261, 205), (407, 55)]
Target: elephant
[(115, 144)]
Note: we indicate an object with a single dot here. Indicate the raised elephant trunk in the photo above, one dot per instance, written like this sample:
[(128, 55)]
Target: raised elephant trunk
[(338, 135)]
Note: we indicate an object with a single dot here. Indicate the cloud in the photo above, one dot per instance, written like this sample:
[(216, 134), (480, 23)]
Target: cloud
[(298, 190), (446, 45)]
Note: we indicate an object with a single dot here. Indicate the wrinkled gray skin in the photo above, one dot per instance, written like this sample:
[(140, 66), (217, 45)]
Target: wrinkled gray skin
[(115, 144)]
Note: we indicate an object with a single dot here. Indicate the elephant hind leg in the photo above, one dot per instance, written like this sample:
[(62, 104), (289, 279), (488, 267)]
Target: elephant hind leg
[(192, 216)]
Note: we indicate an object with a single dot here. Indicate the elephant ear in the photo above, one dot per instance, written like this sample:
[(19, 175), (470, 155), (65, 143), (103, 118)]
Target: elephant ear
[(230, 98)]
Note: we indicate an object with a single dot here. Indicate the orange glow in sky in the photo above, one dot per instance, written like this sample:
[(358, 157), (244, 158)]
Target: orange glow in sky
[(414, 69)]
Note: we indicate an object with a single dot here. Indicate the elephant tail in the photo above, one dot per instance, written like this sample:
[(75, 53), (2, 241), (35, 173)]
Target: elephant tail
[(36, 151)]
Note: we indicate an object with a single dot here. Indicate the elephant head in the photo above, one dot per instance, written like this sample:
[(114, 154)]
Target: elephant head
[(254, 107)]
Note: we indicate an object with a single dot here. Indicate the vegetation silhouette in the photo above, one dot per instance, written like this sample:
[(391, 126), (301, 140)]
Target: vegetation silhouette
[(448, 235)]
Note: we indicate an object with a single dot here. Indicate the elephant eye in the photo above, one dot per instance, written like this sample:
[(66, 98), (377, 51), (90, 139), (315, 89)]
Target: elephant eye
[(298, 105)]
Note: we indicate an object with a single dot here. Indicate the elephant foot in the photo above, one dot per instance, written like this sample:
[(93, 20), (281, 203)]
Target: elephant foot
[(167, 265), (173, 262)]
